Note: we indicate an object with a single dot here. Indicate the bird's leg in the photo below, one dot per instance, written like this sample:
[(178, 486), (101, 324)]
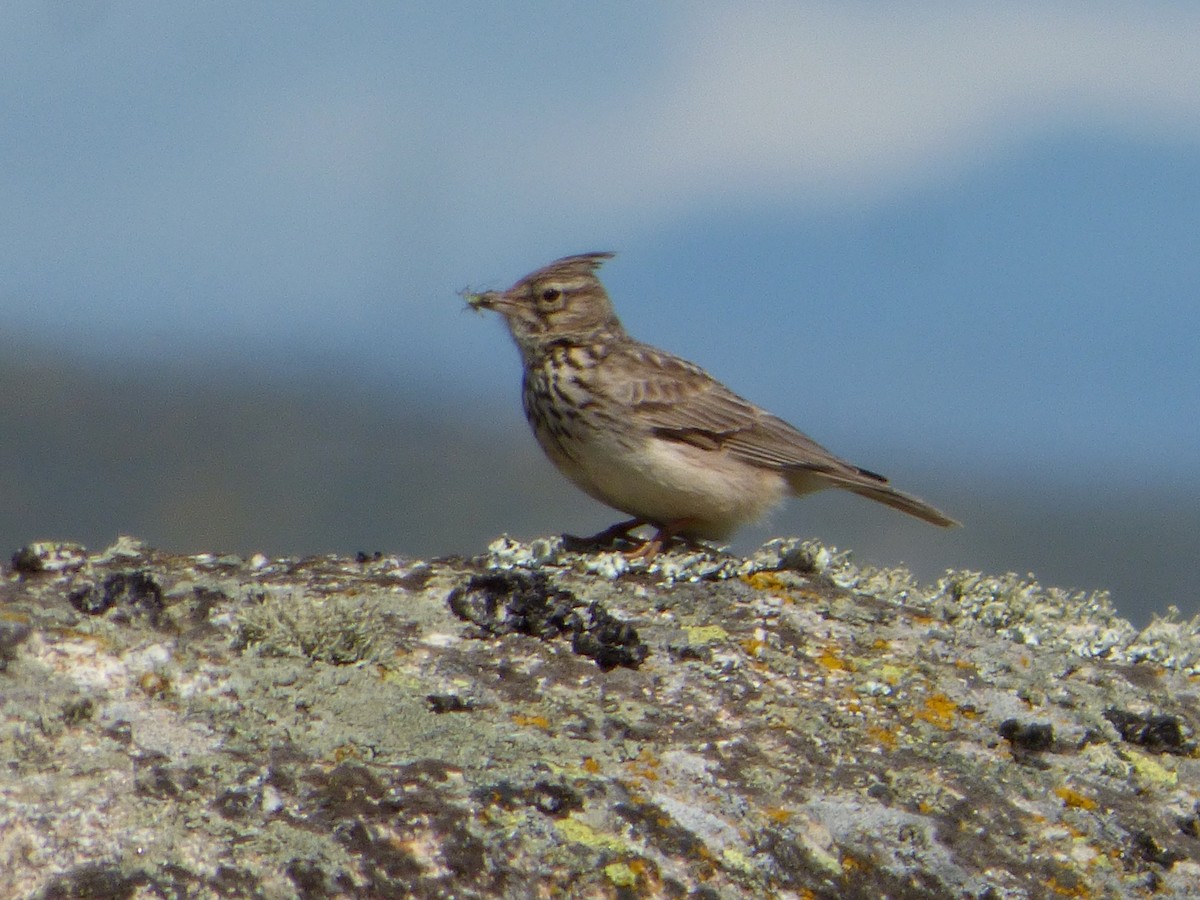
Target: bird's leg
[(607, 538), (665, 534)]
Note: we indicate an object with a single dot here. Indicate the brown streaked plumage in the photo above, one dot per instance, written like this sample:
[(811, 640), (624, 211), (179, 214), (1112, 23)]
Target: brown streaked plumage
[(649, 433)]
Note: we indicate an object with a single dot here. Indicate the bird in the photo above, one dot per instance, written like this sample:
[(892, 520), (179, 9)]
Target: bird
[(649, 433)]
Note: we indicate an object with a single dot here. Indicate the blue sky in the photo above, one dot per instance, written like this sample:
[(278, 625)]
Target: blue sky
[(963, 234)]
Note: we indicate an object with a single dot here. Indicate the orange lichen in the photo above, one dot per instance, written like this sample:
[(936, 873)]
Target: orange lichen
[(883, 735), (1067, 890), (938, 710), (766, 581), (830, 659), (752, 646), (1075, 799), (645, 766), (531, 721)]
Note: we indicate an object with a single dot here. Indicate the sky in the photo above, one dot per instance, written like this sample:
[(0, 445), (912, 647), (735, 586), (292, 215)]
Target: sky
[(958, 235)]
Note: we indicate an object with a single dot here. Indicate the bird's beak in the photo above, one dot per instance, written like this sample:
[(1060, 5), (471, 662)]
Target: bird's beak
[(486, 300)]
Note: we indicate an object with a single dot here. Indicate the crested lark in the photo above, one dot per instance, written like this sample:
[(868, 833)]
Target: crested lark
[(649, 433)]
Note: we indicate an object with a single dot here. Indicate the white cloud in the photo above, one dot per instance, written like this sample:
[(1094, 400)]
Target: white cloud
[(840, 101)]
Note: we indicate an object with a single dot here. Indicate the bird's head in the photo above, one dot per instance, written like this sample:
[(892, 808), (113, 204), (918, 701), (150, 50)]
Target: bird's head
[(564, 301)]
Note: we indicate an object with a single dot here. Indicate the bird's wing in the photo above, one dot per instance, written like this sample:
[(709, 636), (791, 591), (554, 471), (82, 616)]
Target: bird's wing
[(679, 401)]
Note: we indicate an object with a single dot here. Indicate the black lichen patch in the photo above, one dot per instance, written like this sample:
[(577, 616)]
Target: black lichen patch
[(552, 799), (444, 703), (683, 651), (134, 594), (96, 880), (205, 600), (386, 863), (415, 579), (12, 634), (1151, 850), (120, 731), (155, 780), (26, 562), (609, 641), (1158, 733), (1030, 737), (154, 776), (656, 827), (312, 881), (77, 711), (865, 878), (351, 791), (403, 827), (515, 603), (228, 881), (1190, 825), (556, 800), (793, 864), (353, 805), (236, 803), (526, 603)]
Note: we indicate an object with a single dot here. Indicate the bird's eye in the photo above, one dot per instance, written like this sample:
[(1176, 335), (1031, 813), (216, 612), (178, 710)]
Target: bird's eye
[(551, 294)]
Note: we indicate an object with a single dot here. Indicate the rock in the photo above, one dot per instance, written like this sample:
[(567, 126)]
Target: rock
[(542, 721)]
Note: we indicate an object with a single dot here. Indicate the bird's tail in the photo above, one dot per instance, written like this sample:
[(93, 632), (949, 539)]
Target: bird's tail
[(870, 485), (914, 506)]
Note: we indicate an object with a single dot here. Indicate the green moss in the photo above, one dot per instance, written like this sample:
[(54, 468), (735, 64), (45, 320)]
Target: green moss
[(581, 833), (705, 634), (621, 875)]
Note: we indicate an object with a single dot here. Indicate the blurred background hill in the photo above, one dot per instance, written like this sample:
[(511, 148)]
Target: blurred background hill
[(953, 243), (202, 458)]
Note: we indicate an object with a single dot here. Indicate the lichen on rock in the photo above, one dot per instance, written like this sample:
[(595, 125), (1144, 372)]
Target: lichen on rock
[(556, 721)]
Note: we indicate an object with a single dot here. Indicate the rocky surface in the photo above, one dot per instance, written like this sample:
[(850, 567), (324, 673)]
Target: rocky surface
[(543, 721)]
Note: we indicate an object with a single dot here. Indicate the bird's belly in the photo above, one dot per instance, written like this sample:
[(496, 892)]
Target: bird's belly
[(666, 481)]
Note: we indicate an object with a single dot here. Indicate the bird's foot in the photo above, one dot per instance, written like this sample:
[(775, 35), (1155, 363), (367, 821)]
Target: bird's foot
[(607, 539), (664, 536), (615, 536)]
